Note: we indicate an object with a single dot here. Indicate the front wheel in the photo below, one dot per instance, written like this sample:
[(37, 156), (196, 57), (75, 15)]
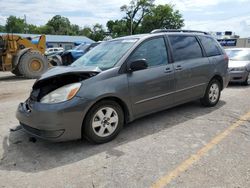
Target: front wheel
[(103, 122), (212, 95), (33, 64), (16, 72)]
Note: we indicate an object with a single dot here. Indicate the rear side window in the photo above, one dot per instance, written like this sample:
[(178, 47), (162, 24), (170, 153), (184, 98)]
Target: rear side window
[(210, 45), (153, 50), (185, 47)]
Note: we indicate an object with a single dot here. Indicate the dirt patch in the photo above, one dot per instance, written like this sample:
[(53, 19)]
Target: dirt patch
[(5, 95), (8, 95)]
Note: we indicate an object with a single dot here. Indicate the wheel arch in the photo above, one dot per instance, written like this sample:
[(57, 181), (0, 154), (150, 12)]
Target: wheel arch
[(125, 109), (19, 55), (220, 79)]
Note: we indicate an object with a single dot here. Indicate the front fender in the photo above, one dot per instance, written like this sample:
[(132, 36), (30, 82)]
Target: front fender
[(19, 55)]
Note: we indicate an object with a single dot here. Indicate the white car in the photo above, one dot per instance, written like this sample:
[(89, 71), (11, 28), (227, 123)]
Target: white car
[(239, 65), (52, 50)]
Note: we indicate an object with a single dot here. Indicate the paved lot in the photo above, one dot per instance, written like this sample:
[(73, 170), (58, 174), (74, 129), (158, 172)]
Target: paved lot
[(173, 148)]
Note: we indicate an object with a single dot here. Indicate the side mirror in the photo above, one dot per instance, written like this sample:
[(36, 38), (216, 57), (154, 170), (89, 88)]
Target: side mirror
[(136, 65)]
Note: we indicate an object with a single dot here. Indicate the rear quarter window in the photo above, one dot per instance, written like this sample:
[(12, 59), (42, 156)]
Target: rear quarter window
[(211, 47), (185, 47)]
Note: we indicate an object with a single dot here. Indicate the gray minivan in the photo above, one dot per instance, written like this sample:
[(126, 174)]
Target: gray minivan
[(124, 79)]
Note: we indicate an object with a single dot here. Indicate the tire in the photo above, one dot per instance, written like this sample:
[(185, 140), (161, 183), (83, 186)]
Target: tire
[(56, 60), (33, 64), (104, 129), (16, 71), (212, 95), (67, 59), (246, 82)]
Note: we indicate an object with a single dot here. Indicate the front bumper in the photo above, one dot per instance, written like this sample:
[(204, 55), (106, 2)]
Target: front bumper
[(238, 76), (54, 122)]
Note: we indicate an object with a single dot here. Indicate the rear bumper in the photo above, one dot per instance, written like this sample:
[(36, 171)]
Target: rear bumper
[(226, 80), (238, 76)]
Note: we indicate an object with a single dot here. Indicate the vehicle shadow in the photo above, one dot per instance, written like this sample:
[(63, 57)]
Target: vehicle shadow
[(20, 154), (12, 78), (237, 85)]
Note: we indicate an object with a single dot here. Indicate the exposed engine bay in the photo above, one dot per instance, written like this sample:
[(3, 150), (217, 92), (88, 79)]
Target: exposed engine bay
[(45, 86)]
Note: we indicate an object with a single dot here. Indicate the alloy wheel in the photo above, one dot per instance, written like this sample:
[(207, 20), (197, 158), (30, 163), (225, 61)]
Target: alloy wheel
[(105, 122), (214, 92)]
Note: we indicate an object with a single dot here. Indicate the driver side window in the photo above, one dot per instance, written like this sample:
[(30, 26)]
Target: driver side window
[(153, 50)]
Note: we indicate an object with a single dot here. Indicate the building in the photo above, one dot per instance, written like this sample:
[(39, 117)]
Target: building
[(235, 43), (64, 41), (228, 39)]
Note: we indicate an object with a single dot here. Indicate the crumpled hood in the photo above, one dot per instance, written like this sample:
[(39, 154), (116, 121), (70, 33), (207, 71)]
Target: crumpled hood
[(60, 70), (60, 76), (236, 64)]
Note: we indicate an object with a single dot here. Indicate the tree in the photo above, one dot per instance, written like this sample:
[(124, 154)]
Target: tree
[(60, 25), (135, 12), (117, 28), (74, 29), (96, 32), (2, 28), (33, 29), (14, 25), (45, 29), (86, 31), (141, 16), (162, 16)]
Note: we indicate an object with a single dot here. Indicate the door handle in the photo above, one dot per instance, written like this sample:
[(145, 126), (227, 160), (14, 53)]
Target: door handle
[(178, 67), (168, 70)]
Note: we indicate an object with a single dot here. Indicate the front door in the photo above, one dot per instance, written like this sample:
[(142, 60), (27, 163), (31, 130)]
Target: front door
[(151, 89)]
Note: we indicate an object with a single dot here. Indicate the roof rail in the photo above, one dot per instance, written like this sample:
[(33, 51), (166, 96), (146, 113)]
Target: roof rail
[(178, 30)]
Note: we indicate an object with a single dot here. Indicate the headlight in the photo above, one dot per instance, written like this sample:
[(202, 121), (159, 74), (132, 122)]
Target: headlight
[(61, 94)]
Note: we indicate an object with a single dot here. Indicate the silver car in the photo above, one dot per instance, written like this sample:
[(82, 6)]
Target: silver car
[(239, 64)]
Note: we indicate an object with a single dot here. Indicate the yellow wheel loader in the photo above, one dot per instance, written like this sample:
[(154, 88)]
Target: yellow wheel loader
[(22, 57)]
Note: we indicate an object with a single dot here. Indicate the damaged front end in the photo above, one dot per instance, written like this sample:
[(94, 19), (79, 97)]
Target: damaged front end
[(46, 115), (59, 77)]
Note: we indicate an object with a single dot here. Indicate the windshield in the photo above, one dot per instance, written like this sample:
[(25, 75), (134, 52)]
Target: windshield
[(239, 55), (105, 55)]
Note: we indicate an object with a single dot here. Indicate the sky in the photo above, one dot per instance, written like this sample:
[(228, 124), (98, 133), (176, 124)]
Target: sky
[(206, 15)]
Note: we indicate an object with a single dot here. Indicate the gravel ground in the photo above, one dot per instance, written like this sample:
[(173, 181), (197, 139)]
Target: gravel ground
[(146, 150)]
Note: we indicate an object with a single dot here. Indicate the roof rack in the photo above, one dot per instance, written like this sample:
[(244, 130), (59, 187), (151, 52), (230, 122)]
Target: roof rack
[(178, 30)]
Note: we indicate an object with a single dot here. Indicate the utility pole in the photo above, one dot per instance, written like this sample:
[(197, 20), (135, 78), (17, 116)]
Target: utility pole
[(25, 25), (131, 26), (131, 23)]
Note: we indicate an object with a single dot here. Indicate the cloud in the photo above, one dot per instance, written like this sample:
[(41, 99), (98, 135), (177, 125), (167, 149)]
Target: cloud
[(3, 19), (196, 5), (198, 14), (39, 12), (239, 25)]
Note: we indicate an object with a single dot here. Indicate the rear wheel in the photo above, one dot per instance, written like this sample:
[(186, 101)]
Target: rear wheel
[(103, 122), (212, 95), (33, 64)]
